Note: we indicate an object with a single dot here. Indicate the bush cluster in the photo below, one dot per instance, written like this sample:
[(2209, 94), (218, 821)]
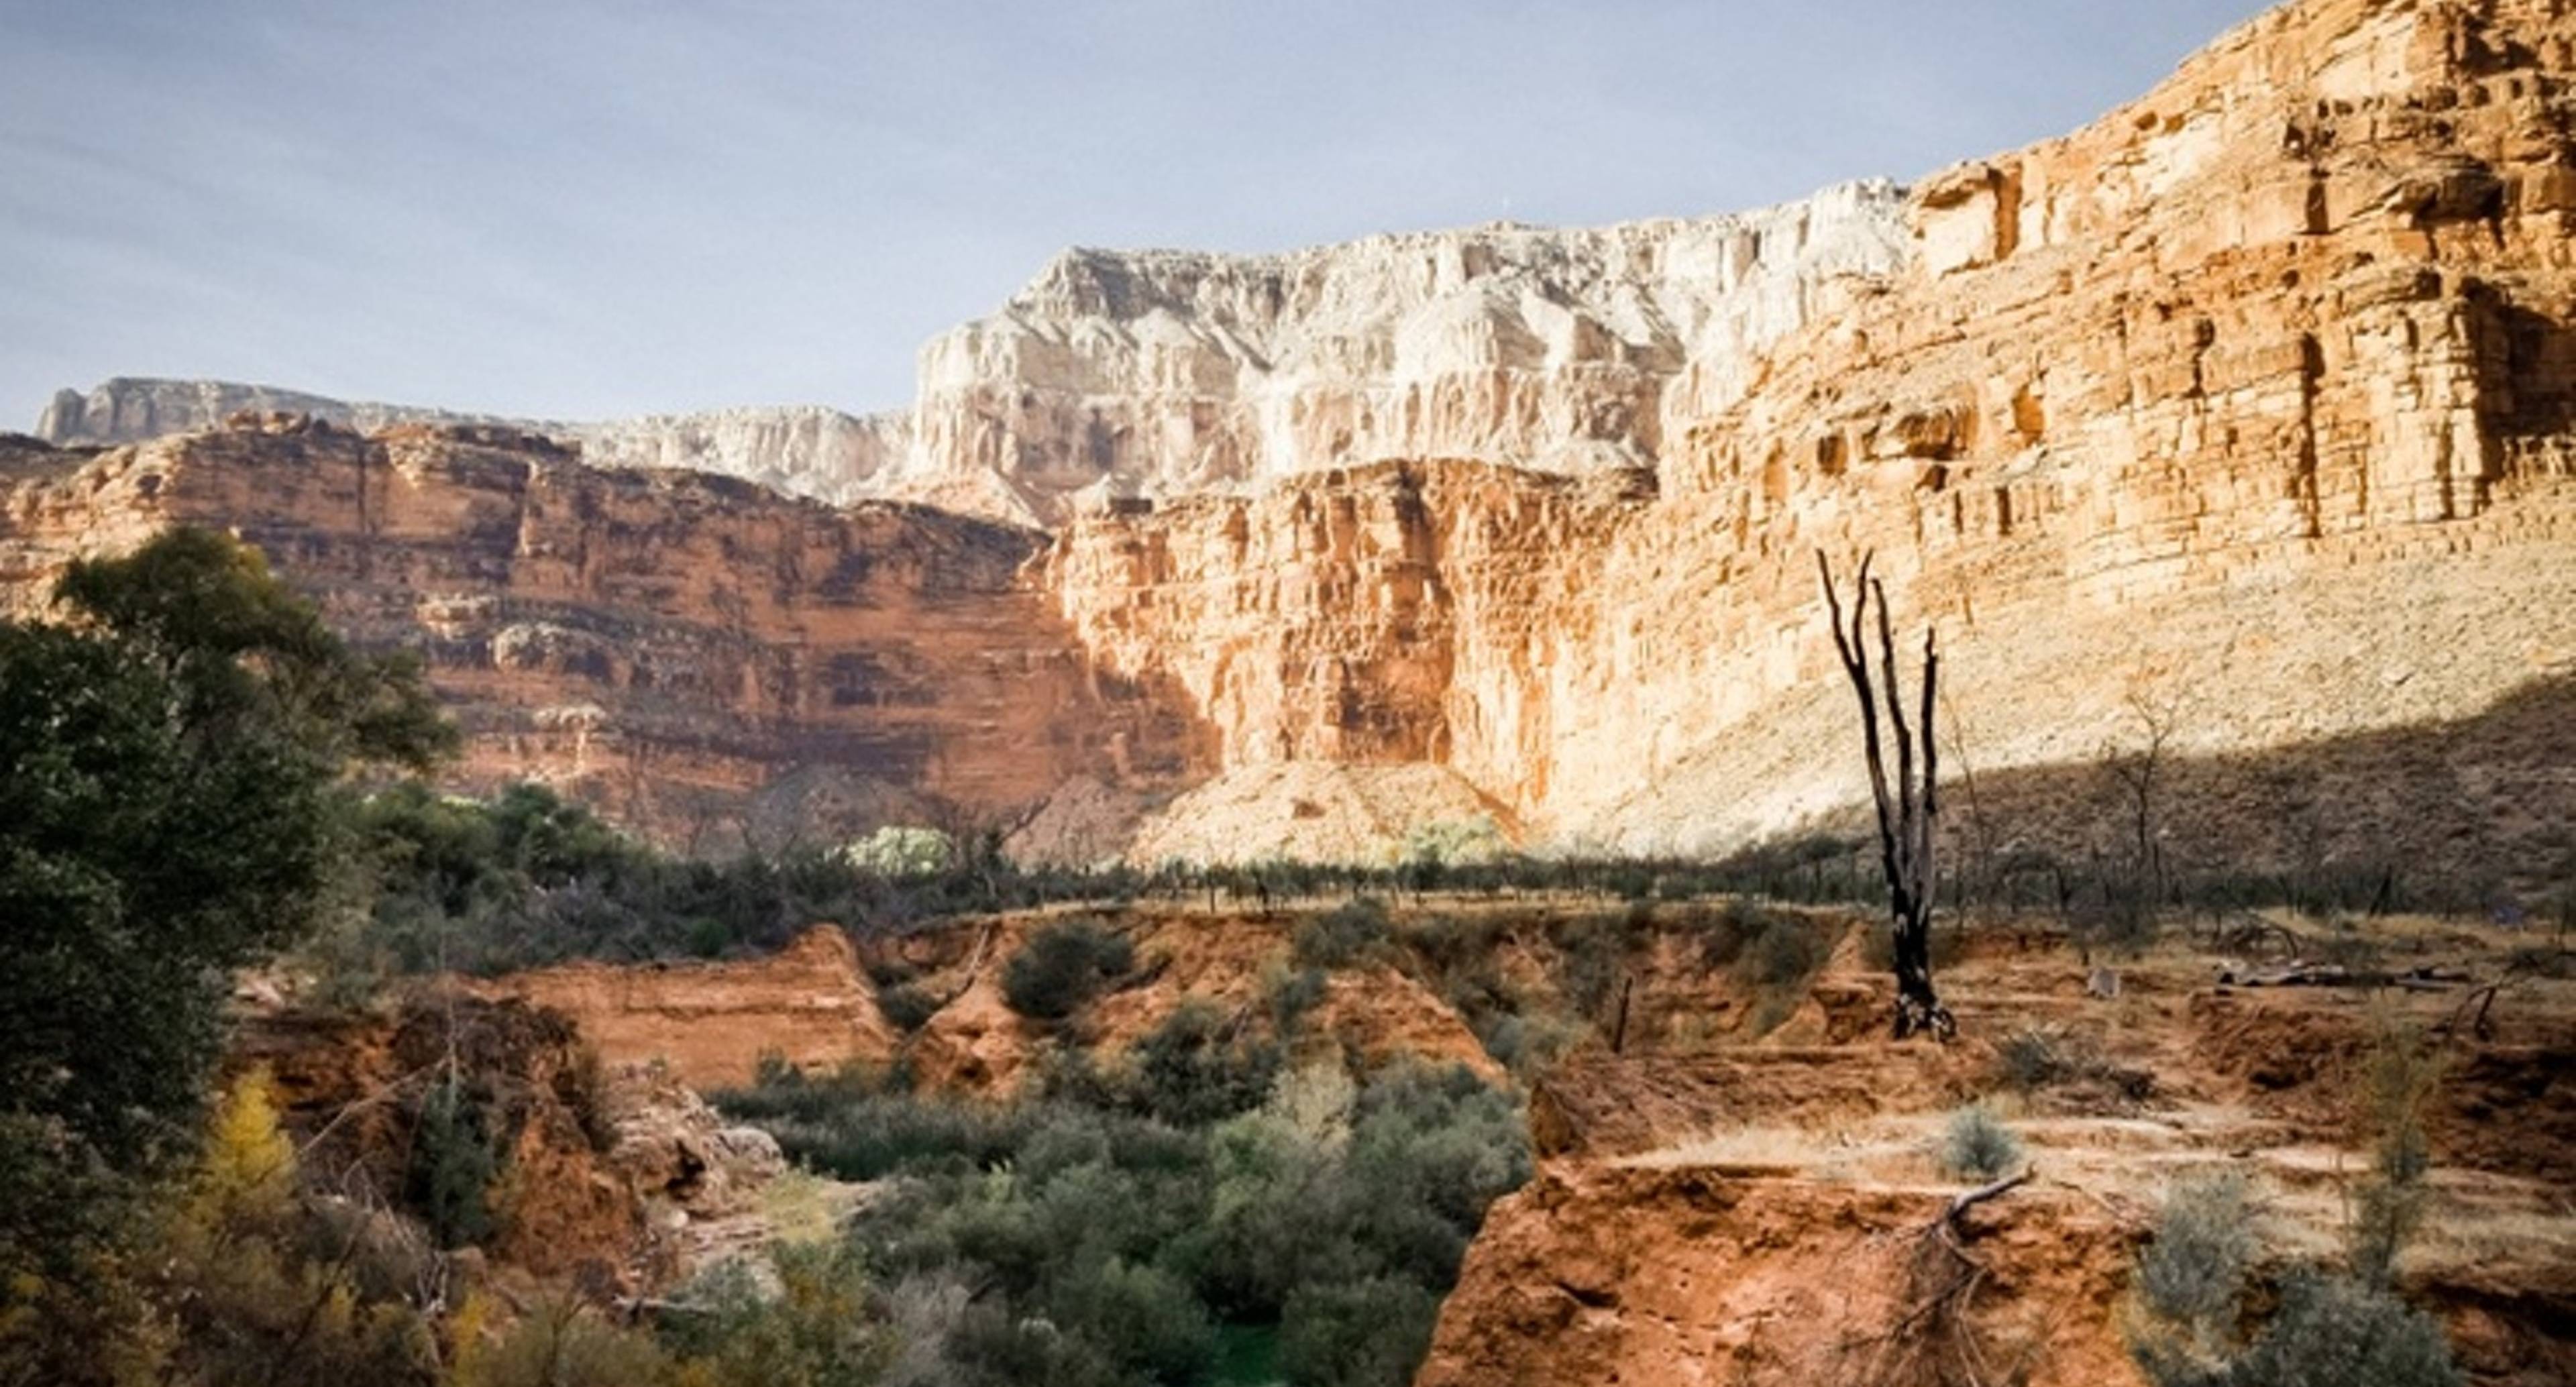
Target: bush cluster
[(1062, 966), (2194, 1282), (1142, 1239), (1343, 935), (1974, 1142)]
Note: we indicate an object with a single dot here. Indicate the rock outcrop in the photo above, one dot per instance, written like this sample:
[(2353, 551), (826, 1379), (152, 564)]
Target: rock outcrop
[(709, 1024), (1168, 373), (616, 1170)]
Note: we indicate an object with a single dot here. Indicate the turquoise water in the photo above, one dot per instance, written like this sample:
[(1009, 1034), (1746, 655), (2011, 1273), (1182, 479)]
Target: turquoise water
[(1247, 1355)]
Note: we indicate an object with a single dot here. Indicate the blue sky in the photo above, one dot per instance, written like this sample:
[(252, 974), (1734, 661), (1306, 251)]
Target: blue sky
[(578, 208)]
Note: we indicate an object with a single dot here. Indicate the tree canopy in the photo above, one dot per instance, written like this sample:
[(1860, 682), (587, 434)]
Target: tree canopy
[(175, 750)]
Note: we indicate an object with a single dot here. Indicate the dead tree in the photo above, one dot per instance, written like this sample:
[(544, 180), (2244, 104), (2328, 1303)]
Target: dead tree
[(1907, 810)]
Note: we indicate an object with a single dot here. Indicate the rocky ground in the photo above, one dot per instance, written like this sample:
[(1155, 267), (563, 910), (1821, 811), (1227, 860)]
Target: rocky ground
[(1758, 1213), (1745, 1190)]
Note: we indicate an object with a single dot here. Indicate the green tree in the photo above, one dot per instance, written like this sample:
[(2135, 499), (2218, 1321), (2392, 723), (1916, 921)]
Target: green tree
[(174, 751), (1062, 967)]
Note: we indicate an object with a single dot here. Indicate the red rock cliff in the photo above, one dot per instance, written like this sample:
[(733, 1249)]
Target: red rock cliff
[(700, 656)]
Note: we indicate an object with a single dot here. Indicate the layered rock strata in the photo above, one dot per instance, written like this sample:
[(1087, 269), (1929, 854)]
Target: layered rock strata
[(803, 450), (2242, 420), (703, 658), (2245, 411), (709, 1025), (1166, 373)]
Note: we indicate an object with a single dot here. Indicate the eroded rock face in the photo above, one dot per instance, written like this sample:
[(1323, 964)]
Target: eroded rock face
[(709, 1024), (2251, 406), (803, 450), (1601, 1275), (1170, 373), (1165, 373), (701, 657), (2250, 403), (615, 1169)]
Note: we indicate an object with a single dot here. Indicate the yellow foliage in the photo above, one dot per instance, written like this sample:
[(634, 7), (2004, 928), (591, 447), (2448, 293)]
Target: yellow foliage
[(248, 1170), (469, 1347)]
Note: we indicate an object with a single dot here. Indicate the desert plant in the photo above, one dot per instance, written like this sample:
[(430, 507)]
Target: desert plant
[(453, 1162), (2192, 1281), (907, 1005), (815, 1328), (2030, 1060), (1343, 935), (2333, 1330), (1063, 966), (2398, 1080), (2193, 1268), (1290, 994), (1974, 1142), (1199, 1065), (1369, 1333), (561, 1342)]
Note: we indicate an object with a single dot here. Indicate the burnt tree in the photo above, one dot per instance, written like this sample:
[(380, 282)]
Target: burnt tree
[(1907, 809)]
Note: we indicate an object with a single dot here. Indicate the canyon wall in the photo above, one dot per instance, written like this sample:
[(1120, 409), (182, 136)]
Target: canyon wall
[(2245, 411), (701, 657), (803, 450), (1166, 373), (2244, 417)]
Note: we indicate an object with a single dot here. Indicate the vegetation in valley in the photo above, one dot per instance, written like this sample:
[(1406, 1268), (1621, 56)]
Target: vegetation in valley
[(1156, 1221)]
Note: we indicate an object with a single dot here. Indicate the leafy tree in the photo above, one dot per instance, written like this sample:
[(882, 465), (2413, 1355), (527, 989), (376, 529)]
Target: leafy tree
[(899, 851), (1369, 1333), (174, 753)]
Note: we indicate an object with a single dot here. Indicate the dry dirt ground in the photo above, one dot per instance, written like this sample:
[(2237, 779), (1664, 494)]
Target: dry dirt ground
[(1771, 1212)]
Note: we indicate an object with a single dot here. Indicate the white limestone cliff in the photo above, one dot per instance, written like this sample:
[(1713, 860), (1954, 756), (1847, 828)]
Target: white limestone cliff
[(802, 450), (1166, 373)]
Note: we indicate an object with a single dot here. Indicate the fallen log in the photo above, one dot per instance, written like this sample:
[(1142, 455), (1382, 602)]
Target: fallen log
[(2300, 974)]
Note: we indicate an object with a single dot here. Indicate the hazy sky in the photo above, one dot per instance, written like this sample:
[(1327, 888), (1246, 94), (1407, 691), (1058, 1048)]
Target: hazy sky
[(577, 208)]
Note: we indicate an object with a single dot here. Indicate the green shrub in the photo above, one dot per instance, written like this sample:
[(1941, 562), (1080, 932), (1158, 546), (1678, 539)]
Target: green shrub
[(1144, 1318), (1784, 955), (1974, 1142), (1291, 993), (1062, 967), (452, 1165), (2030, 1060), (2192, 1270), (1367, 1333), (1343, 935), (1199, 1066), (2192, 1279), (1105, 1245), (2333, 1330), (907, 1006), (563, 1342), (816, 1328)]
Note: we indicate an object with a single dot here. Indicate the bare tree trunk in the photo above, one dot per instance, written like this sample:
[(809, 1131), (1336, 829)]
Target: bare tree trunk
[(1908, 809)]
